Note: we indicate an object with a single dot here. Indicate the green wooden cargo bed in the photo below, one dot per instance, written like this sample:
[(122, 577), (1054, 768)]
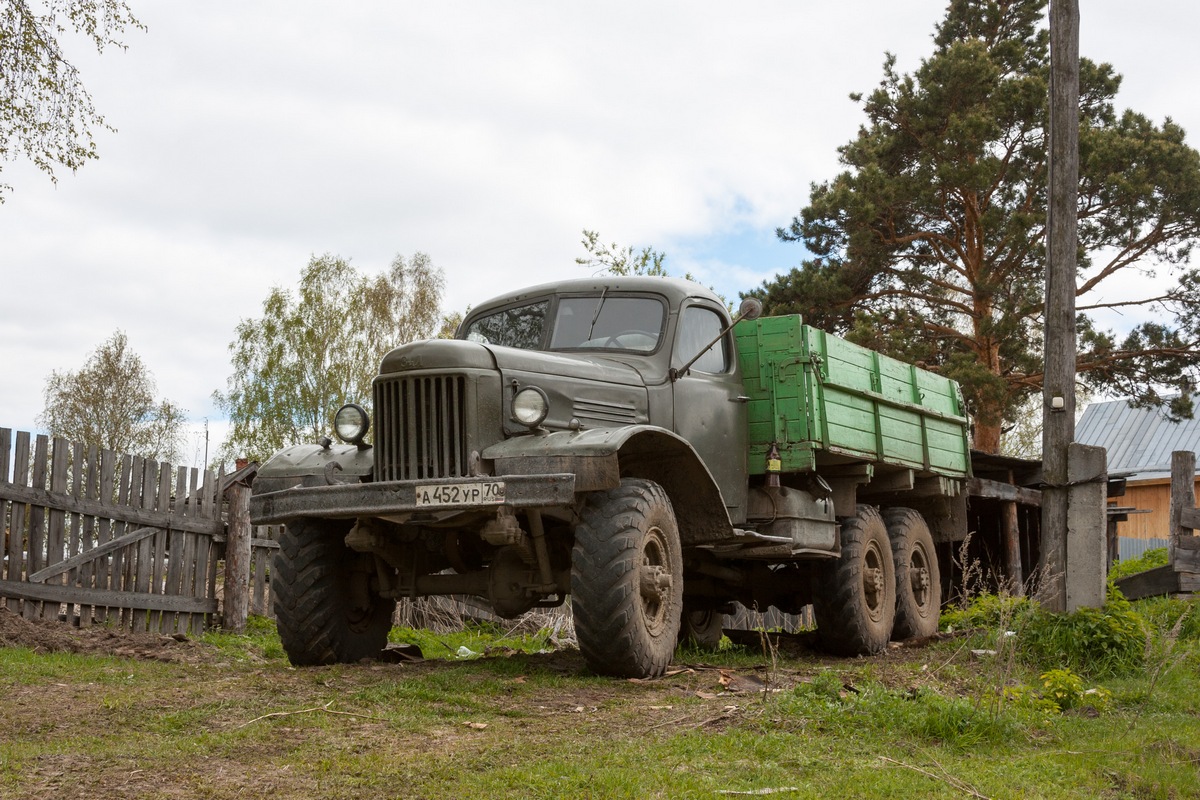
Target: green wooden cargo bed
[(823, 400)]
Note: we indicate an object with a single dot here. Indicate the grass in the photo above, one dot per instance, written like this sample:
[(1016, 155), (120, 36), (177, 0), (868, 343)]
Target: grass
[(234, 719)]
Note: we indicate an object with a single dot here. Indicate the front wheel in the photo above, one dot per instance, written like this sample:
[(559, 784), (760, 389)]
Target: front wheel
[(627, 580), (855, 600), (325, 609)]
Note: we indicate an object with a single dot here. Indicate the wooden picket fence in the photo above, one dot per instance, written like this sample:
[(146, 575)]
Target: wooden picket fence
[(91, 536), (263, 545)]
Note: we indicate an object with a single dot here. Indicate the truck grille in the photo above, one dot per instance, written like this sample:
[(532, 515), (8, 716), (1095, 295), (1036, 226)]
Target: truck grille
[(420, 431)]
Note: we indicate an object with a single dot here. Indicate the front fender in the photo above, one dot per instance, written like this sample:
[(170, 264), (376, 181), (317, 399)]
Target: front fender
[(590, 455), (314, 465), (600, 457)]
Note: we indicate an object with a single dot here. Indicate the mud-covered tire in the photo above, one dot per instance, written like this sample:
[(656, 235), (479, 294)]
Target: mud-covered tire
[(855, 600), (918, 580), (627, 581), (701, 628), (312, 586)]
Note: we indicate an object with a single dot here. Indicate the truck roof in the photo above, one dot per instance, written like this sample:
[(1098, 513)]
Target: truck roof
[(675, 289)]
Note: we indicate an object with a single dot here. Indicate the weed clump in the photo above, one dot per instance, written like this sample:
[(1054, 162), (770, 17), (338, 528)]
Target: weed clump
[(1097, 642), (991, 611), (920, 714)]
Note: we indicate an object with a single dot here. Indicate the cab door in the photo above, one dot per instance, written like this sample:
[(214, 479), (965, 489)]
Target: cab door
[(710, 403)]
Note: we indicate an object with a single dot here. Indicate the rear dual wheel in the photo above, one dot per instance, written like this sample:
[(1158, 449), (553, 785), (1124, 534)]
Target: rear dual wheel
[(885, 585), (855, 600), (918, 580)]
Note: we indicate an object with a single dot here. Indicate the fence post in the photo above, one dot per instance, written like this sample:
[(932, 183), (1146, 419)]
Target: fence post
[(1087, 550), (237, 559), (1183, 498)]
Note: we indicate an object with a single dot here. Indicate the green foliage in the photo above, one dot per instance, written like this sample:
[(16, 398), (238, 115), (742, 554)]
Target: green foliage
[(1095, 642), (612, 259), (109, 403), (1156, 557), (1091, 641), (1060, 690), (46, 114), (930, 244), (1025, 696), (1065, 689), (988, 611), (825, 686), (1175, 616), (315, 350)]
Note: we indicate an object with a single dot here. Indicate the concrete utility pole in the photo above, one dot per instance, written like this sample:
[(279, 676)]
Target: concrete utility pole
[(1058, 389)]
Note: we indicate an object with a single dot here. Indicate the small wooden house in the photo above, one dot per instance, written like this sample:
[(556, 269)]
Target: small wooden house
[(1139, 443)]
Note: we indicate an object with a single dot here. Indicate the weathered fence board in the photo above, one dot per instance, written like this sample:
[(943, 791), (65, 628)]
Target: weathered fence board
[(96, 536), (263, 545), (1182, 571)]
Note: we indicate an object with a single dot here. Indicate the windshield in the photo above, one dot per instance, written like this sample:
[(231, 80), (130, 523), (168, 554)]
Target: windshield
[(603, 321), (520, 326)]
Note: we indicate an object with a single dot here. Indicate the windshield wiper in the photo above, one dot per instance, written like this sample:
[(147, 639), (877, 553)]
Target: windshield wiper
[(596, 316)]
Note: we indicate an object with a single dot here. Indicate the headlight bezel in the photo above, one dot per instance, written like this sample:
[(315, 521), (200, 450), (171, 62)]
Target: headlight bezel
[(351, 431), (530, 406)]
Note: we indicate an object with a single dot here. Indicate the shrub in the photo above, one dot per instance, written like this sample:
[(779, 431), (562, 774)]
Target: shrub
[(1091, 641)]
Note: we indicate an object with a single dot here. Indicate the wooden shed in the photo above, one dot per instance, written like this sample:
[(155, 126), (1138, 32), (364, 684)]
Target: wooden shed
[(1139, 443)]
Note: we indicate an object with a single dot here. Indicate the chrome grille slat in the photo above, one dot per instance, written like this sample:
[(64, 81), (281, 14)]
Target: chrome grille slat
[(420, 428)]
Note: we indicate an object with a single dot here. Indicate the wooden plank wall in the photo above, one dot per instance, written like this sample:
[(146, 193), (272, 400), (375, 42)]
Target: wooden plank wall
[(92, 536), (1151, 496)]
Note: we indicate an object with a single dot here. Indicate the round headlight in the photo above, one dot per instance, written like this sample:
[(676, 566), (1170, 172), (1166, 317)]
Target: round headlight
[(351, 423), (530, 406)]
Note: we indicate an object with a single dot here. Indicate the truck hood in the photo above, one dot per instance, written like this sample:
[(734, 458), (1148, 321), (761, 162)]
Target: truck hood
[(574, 366), (453, 354)]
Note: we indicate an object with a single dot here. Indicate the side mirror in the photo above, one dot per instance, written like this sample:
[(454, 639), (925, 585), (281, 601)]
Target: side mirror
[(750, 308)]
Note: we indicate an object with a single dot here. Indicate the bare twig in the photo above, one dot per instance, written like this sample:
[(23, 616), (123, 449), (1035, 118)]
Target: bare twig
[(945, 777), (325, 708)]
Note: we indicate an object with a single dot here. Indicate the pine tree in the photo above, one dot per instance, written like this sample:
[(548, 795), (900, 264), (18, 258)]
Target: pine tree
[(931, 244)]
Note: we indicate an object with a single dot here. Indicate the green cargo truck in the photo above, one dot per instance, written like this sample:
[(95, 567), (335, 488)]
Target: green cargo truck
[(627, 444)]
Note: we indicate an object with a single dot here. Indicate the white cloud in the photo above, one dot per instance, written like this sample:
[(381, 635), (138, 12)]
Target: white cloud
[(487, 135)]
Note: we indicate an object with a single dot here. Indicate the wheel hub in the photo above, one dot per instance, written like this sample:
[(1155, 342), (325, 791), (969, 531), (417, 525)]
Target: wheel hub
[(654, 580)]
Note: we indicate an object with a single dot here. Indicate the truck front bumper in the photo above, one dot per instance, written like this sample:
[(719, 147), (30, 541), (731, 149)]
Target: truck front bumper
[(351, 500)]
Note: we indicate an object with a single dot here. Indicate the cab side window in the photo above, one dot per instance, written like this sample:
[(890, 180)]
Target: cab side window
[(697, 327)]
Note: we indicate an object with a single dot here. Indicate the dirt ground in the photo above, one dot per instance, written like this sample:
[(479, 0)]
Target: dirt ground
[(55, 637), (259, 705)]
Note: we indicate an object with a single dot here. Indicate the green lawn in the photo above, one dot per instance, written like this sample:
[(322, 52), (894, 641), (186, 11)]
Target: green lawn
[(229, 717)]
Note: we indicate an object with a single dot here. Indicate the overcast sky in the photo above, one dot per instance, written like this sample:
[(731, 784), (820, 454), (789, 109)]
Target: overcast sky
[(488, 135)]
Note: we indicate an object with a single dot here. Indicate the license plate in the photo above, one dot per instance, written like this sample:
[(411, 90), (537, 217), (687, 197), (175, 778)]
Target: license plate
[(461, 494)]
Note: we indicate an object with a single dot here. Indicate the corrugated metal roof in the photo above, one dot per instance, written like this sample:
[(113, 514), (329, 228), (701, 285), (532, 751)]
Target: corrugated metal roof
[(1139, 440)]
